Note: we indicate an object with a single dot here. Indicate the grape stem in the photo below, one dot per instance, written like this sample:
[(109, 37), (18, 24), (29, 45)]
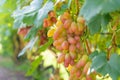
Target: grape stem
[(87, 47), (113, 39)]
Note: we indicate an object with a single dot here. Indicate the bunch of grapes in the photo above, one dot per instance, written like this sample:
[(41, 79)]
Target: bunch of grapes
[(50, 20), (67, 39), (80, 70)]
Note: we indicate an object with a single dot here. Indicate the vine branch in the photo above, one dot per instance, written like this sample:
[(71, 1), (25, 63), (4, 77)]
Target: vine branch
[(87, 47)]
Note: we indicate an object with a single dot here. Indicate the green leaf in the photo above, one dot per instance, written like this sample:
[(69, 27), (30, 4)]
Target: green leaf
[(29, 19), (32, 33), (27, 13), (28, 46), (104, 66), (46, 45), (34, 66), (99, 61), (93, 54), (96, 13), (97, 22), (42, 13)]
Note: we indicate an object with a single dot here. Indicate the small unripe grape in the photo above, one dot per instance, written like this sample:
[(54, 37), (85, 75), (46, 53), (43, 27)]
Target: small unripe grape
[(65, 45), (61, 58), (67, 58), (81, 20), (72, 48), (71, 40), (67, 23), (86, 68), (78, 73)]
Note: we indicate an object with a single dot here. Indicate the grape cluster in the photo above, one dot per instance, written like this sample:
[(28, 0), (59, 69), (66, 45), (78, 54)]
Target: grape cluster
[(50, 20), (67, 39), (80, 70)]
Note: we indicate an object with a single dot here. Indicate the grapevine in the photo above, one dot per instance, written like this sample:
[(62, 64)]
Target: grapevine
[(82, 36)]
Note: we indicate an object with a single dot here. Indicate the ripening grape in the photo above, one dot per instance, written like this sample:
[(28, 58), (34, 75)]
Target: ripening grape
[(56, 35), (73, 70), (78, 45), (73, 55), (86, 68), (52, 14), (53, 19), (82, 61), (61, 58), (67, 58), (67, 24), (72, 62), (65, 45), (78, 73), (77, 38), (24, 31), (73, 27), (71, 40), (72, 48), (81, 20), (88, 77)]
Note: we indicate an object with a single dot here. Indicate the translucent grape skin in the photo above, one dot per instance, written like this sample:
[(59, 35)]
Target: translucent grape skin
[(65, 45), (67, 24), (86, 68), (73, 27), (61, 58), (71, 40)]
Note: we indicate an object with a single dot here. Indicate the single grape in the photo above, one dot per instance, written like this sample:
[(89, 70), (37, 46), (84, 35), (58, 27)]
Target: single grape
[(61, 58), (72, 48), (67, 23), (71, 40), (65, 45)]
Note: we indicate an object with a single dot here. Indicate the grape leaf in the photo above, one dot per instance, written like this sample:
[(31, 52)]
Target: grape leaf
[(94, 11), (26, 12), (32, 33), (104, 66), (28, 46), (34, 66), (42, 13), (46, 45)]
